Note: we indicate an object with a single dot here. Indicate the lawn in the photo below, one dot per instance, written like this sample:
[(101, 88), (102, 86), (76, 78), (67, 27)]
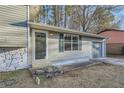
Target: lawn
[(100, 75)]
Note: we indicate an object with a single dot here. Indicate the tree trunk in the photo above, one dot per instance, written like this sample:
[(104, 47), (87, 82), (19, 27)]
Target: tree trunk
[(65, 17)]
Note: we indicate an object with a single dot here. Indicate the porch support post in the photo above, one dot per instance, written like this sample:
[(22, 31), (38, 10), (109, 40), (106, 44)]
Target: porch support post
[(104, 48)]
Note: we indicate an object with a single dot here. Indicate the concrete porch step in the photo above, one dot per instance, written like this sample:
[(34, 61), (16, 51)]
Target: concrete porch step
[(40, 64), (69, 61), (75, 66)]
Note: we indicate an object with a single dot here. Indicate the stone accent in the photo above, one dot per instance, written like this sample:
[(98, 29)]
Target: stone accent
[(46, 72), (13, 59)]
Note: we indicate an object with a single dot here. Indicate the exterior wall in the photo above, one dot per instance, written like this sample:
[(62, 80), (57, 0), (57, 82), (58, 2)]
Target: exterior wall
[(114, 40), (53, 49), (16, 38), (13, 59), (92, 40), (91, 51), (113, 36), (53, 45), (87, 49), (13, 37), (66, 57), (12, 14), (115, 48), (13, 30)]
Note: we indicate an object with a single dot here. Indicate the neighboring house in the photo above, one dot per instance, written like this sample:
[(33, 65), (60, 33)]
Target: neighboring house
[(115, 40), (27, 44)]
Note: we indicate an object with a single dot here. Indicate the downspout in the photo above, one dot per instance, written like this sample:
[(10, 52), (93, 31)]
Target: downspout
[(28, 37)]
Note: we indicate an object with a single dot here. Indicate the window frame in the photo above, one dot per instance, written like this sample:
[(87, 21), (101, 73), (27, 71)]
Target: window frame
[(61, 42), (65, 42), (72, 42), (77, 42)]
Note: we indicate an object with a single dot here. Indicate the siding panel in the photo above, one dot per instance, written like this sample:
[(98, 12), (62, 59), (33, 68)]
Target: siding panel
[(11, 14), (54, 54), (13, 33)]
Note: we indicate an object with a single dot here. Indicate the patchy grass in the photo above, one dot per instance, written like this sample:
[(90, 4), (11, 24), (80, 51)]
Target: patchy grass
[(99, 75), (8, 75), (42, 77)]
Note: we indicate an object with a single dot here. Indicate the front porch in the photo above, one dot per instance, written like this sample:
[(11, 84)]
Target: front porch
[(61, 61)]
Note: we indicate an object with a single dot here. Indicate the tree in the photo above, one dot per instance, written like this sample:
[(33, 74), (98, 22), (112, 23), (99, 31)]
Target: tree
[(86, 18), (94, 18), (34, 12)]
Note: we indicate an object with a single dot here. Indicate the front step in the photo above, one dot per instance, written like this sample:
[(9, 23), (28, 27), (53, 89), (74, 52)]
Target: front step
[(75, 66), (40, 64)]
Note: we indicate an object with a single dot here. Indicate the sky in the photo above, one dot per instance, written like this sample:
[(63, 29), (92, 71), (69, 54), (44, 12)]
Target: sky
[(122, 18), (120, 15)]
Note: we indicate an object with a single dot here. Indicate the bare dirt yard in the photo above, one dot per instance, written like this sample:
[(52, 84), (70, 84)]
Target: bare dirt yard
[(95, 76)]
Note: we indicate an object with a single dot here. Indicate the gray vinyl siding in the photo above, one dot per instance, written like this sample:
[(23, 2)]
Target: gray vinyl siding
[(12, 14), (54, 56), (53, 45), (12, 34)]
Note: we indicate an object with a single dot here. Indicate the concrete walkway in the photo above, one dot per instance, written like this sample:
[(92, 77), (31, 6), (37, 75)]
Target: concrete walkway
[(82, 64), (76, 65), (114, 61)]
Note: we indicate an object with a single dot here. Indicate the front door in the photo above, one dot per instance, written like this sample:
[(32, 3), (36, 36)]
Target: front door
[(97, 50), (40, 45)]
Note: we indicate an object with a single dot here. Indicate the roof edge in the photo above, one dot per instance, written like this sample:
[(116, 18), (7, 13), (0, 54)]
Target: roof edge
[(59, 29), (105, 30)]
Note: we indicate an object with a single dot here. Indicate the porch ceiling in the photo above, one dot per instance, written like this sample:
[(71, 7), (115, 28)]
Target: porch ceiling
[(61, 30)]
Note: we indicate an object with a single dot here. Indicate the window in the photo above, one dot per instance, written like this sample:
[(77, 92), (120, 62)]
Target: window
[(67, 46), (80, 42), (68, 42), (75, 42), (61, 43), (67, 38)]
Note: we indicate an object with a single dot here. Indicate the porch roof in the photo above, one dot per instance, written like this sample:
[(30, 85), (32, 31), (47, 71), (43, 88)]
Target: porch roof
[(61, 30)]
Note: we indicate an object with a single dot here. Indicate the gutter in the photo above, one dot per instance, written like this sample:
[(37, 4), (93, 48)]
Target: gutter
[(60, 30)]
